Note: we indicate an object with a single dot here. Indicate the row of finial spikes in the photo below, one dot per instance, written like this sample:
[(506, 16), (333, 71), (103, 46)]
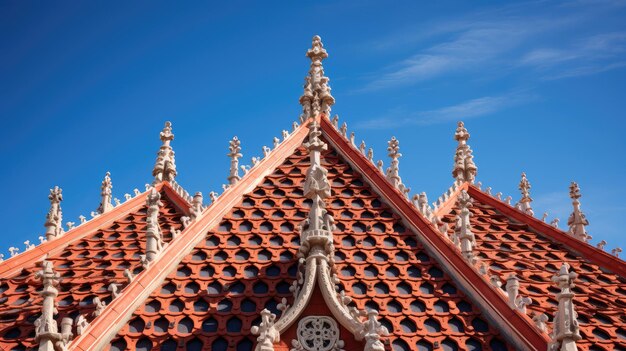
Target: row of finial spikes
[(577, 221), (54, 217)]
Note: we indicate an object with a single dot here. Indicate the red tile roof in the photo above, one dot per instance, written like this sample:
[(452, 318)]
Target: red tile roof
[(248, 263), (511, 241), (88, 259)]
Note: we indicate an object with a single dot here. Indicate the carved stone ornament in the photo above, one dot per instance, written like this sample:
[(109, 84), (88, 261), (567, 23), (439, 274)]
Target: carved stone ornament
[(317, 333)]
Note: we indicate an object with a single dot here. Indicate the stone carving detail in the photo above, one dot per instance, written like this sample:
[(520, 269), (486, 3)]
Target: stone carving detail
[(566, 330), (317, 333), (234, 154), (154, 240), (81, 324), (516, 301), (196, 206), (267, 333), (463, 230), (524, 203), (577, 220), (165, 167), (316, 98), (464, 168), (54, 218), (106, 193), (46, 328), (393, 171)]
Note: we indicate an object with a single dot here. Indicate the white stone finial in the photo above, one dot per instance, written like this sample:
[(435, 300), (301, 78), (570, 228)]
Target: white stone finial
[(555, 223), (362, 147), (577, 220), (601, 245), (276, 142), (566, 330), (165, 166), (28, 245), (516, 301), (196, 206), (234, 148), (463, 229), (54, 218), (540, 321), (344, 129), (82, 219), (393, 170), (46, 328), (267, 333), (495, 281), (464, 168), (544, 217), (335, 121), (128, 275), (114, 288), (524, 202), (99, 306), (106, 194), (373, 330), (154, 239), (616, 251), (13, 251), (316, 98), (81, 324)]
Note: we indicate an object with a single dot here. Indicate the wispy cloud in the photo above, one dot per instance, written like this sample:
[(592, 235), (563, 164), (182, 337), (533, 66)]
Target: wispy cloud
[(478, 107), (593, 54), (497, 39)]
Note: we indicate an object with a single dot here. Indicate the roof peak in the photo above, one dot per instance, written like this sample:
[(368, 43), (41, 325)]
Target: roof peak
[(165, 167), (316, 98), (464, 167)]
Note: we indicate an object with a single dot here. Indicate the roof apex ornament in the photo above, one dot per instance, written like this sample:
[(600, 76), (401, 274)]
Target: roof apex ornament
[(54, 218), (106, 193), (463, 229), (234, 154), (464, 168), (154, 239), (316, 98), (165, 166), (46, 328), (524, 202), (577, 220), (566, 330)]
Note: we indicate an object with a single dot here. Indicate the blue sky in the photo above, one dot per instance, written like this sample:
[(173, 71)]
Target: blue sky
[(86, 87)]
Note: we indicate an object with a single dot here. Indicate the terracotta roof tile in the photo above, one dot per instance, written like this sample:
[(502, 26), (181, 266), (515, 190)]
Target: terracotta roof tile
[(506, 245), (87, 266), (248, 263)]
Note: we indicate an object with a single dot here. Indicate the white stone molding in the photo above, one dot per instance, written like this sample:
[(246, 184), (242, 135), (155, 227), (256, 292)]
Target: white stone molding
[(566, 330), (464, 168), (317, 333), (516, 301), (234, 154), (106, 193), (46, 328), (463, 229), (54, 218), (316, 98), (577, 220), (524, 203), (154, 240), (165, 166)]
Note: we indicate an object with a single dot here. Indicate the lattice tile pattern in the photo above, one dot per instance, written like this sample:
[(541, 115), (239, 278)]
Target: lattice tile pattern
[(248, 263), (86, 267)]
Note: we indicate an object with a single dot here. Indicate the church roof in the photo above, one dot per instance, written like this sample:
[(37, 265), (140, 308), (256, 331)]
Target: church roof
[(313, 230)]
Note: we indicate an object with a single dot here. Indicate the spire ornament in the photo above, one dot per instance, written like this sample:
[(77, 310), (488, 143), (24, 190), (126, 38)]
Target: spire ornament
[(165, 167), (463, 229), (316, 98), (524, 202), (234, 154), (46, 328), (54, 218), (566, 330), (106, 193), (154, 239), (464, 168), (577, 220)]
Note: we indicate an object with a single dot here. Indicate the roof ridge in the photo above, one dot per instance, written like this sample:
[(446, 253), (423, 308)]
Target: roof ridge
[(520, 328), (590, 252), (15, 263), (104, 328)]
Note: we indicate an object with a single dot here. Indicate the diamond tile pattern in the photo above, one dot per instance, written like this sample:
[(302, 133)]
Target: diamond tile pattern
[(86, 267), (506, 246), (248, 263)]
